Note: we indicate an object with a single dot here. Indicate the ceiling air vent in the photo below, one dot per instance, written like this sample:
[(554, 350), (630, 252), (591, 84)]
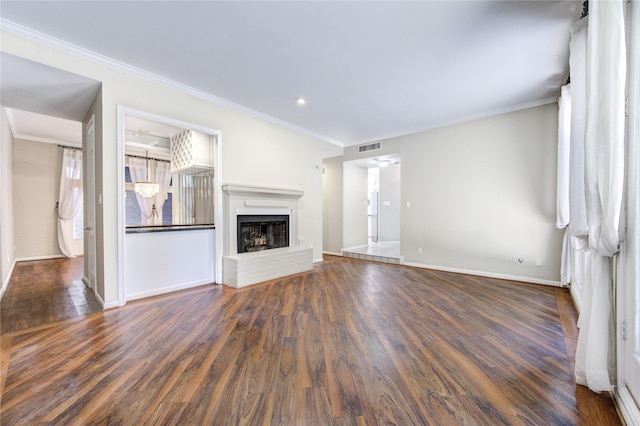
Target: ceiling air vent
[(370, 147)]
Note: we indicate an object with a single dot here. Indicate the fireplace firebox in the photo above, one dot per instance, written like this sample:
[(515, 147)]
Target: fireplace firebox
[(262, 232)]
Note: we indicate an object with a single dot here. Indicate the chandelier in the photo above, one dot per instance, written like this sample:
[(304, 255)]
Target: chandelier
[(147, 189)]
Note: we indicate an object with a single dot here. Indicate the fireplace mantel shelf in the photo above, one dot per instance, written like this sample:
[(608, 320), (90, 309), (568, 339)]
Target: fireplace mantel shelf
[(242, 190)]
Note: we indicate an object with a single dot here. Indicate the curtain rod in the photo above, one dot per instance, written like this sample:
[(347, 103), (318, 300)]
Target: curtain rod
[(147, 158), (70, 147), (585, 9)]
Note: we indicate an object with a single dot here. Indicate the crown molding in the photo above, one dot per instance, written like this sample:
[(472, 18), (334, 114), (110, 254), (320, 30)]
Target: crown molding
[(70, 144), (64, 46), (11, 120), (24, 136)]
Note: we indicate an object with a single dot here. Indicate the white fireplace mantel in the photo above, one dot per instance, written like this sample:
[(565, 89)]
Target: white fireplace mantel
[(239, 270), (257, 191)]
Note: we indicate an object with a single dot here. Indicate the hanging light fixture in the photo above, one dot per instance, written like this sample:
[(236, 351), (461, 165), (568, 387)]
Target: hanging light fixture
[(147, 189)]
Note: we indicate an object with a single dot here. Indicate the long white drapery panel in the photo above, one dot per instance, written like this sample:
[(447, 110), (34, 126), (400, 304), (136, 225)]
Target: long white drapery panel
[(604, 182), (604, 137), (564, 157), (577, 64), (564, 181), (163, 179), (593, 350), (138, 173), (70, 198), (573, 103)]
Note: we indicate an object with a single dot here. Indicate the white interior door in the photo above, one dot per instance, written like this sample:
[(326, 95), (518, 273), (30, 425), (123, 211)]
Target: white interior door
[(90, 206)]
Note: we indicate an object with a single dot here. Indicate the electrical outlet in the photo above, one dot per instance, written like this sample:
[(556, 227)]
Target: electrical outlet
[(538, 261), (420, 250)]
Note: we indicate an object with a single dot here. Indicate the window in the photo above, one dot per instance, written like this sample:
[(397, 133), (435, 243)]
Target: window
[(190, 200), (133, 214), (187, 187)]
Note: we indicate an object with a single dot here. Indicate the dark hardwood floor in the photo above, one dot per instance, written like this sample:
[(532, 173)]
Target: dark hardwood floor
[(45, 291), (351, 342)]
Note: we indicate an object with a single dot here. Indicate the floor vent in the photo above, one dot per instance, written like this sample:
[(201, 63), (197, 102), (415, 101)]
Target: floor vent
[(370, 147)]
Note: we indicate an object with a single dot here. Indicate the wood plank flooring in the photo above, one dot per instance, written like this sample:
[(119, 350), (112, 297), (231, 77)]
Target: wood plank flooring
[(45, 291), (351, 342)]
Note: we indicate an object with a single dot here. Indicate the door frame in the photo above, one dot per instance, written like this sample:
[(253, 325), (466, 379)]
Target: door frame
[(90, 212), (627, 297)]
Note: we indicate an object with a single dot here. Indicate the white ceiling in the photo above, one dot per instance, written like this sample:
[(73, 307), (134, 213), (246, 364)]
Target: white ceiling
[(369, 70), (44, 128)]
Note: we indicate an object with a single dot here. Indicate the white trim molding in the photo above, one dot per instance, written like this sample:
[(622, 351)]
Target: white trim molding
[(485, 274), (58, 44), (627, 405), (5, 284), (27, 259)]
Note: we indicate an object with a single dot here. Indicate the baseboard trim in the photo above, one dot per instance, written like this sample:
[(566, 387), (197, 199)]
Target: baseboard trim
[(30, 258), (627, 406), (318, 260), (331, 253), (6, 282), (98, 299), (485, 274), (164, 290), (106, 306)]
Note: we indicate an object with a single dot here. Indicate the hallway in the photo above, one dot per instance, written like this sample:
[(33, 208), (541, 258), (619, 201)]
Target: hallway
[(45, 291)]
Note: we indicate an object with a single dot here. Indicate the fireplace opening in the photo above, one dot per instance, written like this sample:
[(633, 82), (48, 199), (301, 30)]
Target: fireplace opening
[(262, 232)]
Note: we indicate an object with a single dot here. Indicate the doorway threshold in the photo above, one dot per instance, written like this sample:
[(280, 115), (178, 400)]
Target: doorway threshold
[(382, 251)]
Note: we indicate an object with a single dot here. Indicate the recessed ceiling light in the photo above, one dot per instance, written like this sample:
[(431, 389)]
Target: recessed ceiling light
[(300, 100)]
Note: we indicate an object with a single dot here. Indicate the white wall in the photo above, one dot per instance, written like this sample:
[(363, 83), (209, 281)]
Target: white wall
[(332, 205), (254, 152), (160, 262), (36, 184), (389, 211), (355, 219), (7, 255), (481, 192)]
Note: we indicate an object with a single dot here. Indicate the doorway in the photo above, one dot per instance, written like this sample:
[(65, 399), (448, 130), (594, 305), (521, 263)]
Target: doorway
[(188, 207), (380, 176), (45, 286), (56, 103)]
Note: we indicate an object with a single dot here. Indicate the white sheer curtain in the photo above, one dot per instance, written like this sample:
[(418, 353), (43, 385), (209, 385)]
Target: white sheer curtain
[(564, 157), (163, 178), (604, 181), (563, 199), (138, 173), (573, 103), (70, 198), (577, 64)]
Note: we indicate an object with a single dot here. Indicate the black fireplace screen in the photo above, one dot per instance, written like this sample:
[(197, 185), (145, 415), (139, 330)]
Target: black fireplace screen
[(262, 232)]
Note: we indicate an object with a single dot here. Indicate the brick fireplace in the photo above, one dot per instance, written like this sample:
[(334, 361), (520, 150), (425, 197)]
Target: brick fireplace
[(260, 240)]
